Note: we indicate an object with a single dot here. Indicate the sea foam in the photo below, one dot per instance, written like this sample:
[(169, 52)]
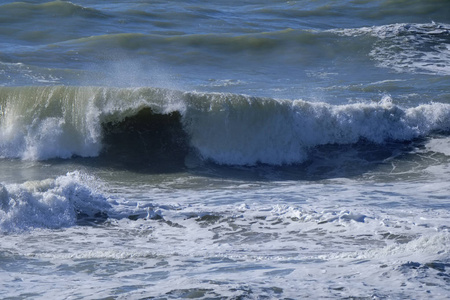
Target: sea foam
[(416, 48), (49, 203), (46, 122), (245, 131)]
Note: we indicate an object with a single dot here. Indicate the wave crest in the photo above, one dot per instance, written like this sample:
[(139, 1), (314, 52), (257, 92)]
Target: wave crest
[(45, 122), (25, 11), (244, 130)]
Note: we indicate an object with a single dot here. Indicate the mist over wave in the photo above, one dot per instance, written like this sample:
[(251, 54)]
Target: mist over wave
[(43, 122)]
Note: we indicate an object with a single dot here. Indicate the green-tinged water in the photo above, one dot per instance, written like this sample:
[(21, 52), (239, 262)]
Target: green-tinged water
[(224, 150)]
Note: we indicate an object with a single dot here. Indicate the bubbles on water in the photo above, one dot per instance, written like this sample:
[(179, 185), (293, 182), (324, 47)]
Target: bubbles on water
[(410, 48), (51, 203)]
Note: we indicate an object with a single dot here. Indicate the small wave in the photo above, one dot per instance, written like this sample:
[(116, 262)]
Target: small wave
[(50, 203), (288, 45), (437, 10), (258, 42), (416, 48), (406, 48), (16, 11), (46, 122), (425, 248), (34, 23)]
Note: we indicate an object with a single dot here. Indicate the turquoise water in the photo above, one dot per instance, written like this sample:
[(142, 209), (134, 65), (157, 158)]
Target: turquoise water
[(225, 150)]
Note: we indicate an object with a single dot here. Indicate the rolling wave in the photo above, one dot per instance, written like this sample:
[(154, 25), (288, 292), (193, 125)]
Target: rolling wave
[(42, 122), (51, 203), (207, 45), (18, 11), (35, 23), (410, 48)]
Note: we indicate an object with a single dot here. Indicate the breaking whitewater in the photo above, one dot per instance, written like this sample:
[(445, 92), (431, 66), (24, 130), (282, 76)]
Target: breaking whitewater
[(205, 195)]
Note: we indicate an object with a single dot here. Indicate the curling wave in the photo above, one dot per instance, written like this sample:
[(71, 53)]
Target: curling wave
[(63, 121)]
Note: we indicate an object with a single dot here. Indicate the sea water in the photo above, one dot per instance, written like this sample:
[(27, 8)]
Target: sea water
[(225, 150)]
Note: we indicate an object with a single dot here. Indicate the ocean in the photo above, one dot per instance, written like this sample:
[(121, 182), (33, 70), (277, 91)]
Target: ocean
[(225, 150)]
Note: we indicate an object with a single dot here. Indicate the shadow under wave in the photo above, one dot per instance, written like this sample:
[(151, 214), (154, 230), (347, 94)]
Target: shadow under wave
[(151, 143), (333, 161), (146, 142)]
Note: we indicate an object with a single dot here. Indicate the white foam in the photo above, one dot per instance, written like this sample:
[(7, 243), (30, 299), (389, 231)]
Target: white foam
[(417, 48), (342, 239), (242, 130), (49, 203), (46, 122), (440, 145), (423, 249)]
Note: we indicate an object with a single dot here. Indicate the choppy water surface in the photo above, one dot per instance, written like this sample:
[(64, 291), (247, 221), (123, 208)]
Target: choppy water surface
[(225, 150)]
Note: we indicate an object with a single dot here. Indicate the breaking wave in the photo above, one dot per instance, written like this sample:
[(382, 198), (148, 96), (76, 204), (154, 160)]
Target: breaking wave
[(51, 203), (410, 48), (38, 123)]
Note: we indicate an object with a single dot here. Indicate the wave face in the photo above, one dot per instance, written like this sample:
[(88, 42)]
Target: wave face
[(46, 122), (244, 130), (40, 123)]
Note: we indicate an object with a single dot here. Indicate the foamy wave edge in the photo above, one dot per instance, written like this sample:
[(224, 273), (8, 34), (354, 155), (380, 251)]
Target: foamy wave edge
[(39, 123), (51, 203)]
